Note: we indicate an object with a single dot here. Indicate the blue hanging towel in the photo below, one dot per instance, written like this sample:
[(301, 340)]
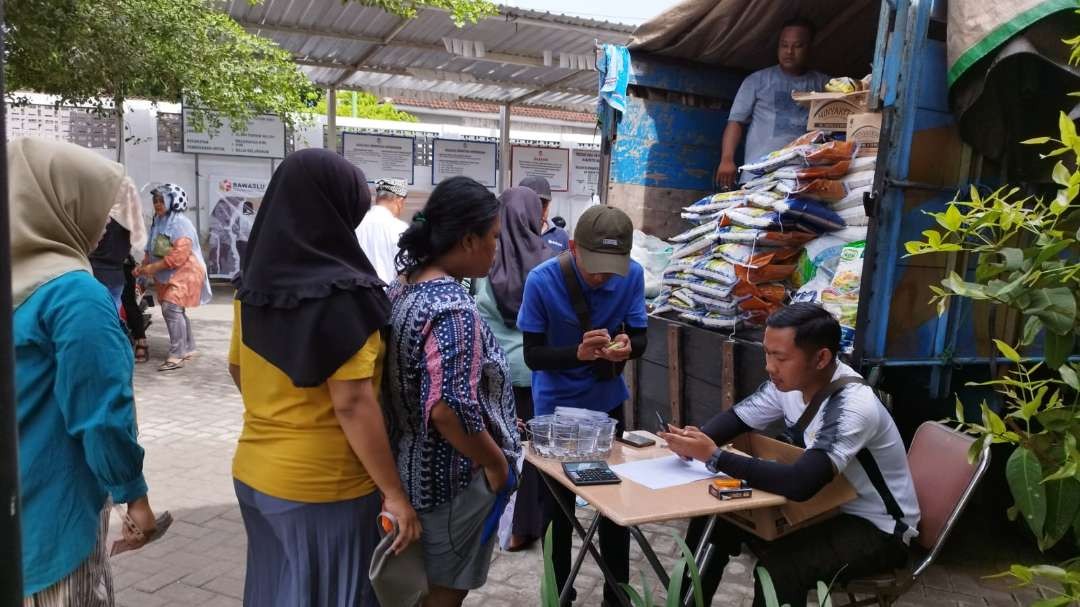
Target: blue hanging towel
[(614, 71)]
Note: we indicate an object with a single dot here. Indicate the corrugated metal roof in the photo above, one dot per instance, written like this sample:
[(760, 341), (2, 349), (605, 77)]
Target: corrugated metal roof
[(501, 58)]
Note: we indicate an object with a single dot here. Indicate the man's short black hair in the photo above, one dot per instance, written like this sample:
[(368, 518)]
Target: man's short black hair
[(815, 327), (801, 22), (559, 222)]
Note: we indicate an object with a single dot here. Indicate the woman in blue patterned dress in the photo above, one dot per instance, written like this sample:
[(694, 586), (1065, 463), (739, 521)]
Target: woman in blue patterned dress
[(448, 391)]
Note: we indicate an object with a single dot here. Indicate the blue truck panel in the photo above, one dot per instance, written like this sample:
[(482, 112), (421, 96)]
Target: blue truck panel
[(667, 145)]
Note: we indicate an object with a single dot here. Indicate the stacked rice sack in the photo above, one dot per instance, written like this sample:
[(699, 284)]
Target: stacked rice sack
[(746, 252)]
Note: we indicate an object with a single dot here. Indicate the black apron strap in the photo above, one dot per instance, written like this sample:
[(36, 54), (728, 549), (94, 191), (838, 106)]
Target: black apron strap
[(873, 472)]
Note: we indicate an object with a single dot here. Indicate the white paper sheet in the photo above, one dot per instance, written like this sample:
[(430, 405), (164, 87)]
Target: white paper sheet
[(663, 472)]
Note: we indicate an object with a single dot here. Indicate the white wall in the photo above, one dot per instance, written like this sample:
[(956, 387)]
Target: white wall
[(149, 167)]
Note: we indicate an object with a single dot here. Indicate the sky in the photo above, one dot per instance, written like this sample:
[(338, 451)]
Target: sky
[(633, 12)]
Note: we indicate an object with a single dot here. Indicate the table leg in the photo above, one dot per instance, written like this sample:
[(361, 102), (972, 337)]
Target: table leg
[(609, 578), (650, 555), (564, 596), (702, 556)]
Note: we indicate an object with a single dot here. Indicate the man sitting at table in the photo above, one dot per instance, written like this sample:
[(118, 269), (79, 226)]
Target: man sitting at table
[(581, 366), (851, 434)]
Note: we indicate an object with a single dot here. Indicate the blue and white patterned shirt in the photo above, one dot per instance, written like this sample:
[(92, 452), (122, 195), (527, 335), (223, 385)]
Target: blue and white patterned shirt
[(440, 349)]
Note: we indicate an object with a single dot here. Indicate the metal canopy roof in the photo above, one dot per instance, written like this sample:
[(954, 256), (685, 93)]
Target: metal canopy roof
[(519, 56)]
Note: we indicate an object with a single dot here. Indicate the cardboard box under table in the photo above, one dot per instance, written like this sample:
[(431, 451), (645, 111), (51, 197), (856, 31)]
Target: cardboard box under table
[(631, 505)]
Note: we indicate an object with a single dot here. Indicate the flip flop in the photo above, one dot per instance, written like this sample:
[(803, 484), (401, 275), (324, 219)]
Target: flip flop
[(141, 539), (171, 366), (191, 355)]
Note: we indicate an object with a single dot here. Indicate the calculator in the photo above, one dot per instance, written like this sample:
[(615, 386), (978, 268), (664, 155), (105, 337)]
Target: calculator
[(590, 473)]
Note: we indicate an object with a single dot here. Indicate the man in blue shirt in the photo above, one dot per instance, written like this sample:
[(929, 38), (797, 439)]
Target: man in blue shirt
[(581, 366), (556, 237)]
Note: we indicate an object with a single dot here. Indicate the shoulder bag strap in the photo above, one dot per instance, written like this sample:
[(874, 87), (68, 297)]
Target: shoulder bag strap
[(820, 397), (573, 288)]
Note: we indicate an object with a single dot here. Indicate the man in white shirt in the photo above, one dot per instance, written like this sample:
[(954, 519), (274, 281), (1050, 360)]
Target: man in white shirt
[(380, 229), (850, 434)]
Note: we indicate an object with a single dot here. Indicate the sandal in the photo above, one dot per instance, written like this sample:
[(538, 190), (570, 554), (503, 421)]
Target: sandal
[(142, 353), (190, 355), (171, 365), (139, 537)]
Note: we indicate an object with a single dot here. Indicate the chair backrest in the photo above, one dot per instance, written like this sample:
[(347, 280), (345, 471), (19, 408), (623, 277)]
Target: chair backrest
[(944, 481)]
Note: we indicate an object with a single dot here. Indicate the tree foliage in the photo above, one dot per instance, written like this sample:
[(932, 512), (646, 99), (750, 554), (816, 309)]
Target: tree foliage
[(367, 106), (88, 52), (1027, 258), (461, 11)]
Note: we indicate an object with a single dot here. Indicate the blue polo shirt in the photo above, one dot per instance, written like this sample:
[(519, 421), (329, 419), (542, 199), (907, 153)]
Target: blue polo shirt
[(545, 308), (557, 239)]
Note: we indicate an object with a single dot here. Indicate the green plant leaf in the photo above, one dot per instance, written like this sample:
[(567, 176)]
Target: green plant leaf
[(960, 287), (767, 588), (1062, 503), (1056, 307), (1068, 375), (951, 219), (959, 410), (691, 566), (1036, 141), (1024, 475), (1067, 471), (824, 595), (992, 421), (674, 589), (1057, 348), (1032, 326), (549, 587), (635, 597), (1013, 258), (1007, 351), (1067, 128), (1056, 420), (1060, 174)]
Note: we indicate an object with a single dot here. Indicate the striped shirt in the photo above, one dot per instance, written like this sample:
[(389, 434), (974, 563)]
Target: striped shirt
[(440, 349), (851, 420)]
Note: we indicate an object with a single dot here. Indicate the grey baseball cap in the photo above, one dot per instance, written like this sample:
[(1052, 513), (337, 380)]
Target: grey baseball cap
[(538, 185)]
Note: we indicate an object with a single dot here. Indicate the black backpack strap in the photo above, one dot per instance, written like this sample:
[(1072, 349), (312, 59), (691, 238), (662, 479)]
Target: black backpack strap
[(573, 288), (796, 431), (873, 472)]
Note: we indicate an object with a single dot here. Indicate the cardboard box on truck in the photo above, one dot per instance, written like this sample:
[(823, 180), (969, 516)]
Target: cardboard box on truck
[(777, 521), (865, 129), (830, 111)]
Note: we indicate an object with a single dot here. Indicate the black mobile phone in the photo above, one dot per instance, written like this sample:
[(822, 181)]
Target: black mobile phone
[(663, 425), (635, 440)]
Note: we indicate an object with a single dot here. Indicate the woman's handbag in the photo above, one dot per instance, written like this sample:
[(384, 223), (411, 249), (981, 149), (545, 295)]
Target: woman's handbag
[(161, 245), (398, 579)]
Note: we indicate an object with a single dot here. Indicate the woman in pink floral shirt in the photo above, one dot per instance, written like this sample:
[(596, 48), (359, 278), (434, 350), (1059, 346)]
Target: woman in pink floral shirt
[(174, 258)]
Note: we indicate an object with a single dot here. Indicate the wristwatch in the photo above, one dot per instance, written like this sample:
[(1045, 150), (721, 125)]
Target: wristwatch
[(714, 461)]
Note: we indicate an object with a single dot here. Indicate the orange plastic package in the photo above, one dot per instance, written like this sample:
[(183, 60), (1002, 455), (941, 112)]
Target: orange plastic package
[(831, 153)]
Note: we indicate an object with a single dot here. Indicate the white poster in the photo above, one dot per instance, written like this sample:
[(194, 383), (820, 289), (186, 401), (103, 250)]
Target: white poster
[(550, 163), (586, 172), (476, 159), (380, 156), (235, 200), (263, 137)]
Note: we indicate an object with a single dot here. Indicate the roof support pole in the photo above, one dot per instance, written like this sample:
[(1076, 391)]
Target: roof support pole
[(331, 119), (504, 147)]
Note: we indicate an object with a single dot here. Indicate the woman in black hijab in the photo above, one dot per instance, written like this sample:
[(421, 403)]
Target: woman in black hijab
[(498, 297), (307, 357)]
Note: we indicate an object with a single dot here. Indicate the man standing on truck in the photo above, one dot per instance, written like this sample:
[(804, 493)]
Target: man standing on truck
[(851, 433), (764, 102), (582, 317)]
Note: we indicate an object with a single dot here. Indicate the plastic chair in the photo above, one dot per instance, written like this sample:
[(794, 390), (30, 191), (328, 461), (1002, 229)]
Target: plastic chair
[(944, 483)]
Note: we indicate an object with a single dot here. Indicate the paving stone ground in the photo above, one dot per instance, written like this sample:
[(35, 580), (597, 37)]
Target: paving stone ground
[(189, 422)]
